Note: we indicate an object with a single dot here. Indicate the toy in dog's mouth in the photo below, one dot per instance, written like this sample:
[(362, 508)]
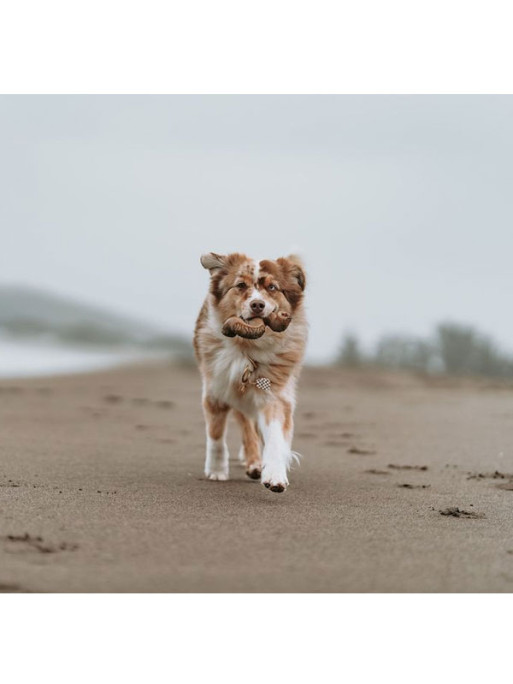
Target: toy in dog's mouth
[(254, 328)]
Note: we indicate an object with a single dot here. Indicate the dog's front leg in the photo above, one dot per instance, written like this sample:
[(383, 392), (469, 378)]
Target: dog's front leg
[(275, 424), (217, 457)]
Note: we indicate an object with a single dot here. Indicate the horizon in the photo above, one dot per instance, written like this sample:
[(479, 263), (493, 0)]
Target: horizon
[(367, 352)]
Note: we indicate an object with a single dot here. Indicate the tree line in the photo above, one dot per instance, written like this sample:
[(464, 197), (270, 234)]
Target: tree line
[(453, 349)]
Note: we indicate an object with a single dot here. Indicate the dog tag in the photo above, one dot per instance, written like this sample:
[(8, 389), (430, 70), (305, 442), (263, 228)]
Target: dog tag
[(263, 384)]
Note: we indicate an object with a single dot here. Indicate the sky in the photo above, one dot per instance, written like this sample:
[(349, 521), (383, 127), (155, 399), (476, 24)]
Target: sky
[(401, 206)]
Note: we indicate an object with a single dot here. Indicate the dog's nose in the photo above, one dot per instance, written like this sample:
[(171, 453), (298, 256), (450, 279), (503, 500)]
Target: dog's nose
[(257, 306)]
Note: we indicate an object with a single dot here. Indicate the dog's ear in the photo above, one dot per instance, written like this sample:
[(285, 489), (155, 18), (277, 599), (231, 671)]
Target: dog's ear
[(212, 261), (298, 270)]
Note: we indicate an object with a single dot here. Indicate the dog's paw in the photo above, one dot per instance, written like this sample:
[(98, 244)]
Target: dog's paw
[(254, 471), (280, 487), (219, 475), (217, 462), (276, 482)]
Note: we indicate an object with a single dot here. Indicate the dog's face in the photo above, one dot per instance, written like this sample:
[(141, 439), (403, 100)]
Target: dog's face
[(248, 289)]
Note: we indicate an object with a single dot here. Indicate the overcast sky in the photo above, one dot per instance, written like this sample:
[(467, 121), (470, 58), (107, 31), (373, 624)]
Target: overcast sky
[(400, 205)]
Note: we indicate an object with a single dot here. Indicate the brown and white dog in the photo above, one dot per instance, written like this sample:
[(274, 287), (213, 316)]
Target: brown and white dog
[(256, 378)]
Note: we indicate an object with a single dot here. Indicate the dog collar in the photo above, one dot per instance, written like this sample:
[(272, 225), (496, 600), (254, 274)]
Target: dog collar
[(261, 382)]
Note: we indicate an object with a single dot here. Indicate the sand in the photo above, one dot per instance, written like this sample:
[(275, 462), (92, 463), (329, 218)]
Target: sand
[(102, 488)]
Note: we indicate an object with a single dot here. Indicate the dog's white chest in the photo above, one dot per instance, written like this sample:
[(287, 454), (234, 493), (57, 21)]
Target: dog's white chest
[(227, 370), (235, 382)]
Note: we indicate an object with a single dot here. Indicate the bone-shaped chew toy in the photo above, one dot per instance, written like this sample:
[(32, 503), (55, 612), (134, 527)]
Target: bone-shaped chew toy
[(278, 321), (255, 328), (251, 330)]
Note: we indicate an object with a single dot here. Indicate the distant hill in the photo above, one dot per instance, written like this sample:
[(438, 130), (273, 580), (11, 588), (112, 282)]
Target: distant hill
[(30, 313)]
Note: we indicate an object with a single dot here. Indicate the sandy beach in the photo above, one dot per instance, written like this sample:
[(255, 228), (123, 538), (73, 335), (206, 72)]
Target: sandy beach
[(405, 485)]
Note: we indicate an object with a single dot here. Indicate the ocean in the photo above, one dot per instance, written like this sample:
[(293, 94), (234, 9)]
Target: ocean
[(29, 359)]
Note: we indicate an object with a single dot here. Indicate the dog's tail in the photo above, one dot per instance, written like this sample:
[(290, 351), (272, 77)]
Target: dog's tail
[(294, 457)]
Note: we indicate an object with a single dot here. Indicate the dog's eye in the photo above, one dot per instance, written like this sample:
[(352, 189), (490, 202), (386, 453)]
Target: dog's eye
[(272, 287), (241, 286)]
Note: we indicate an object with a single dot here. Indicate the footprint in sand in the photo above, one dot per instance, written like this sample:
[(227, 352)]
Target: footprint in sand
[(28, 542), (406, 467), (164, 404), (496, 475), (7, 588), (455, 512), (113, 398)]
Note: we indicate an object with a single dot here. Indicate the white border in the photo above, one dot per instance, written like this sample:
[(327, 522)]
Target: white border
[(253, 638), (273, 46)]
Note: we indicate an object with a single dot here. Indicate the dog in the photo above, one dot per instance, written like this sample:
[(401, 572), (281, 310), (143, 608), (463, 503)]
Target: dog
[(255, 377)]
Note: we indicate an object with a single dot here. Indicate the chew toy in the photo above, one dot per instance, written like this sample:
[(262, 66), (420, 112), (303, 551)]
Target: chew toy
[(278, 321), (255, 327), (251, 329)]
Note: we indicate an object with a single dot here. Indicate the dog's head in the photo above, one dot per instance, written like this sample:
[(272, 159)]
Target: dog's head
[(248, 289)]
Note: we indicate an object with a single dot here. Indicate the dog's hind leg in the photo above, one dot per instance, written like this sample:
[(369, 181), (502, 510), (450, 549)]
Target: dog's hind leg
[(250, 449), (217, 457)]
